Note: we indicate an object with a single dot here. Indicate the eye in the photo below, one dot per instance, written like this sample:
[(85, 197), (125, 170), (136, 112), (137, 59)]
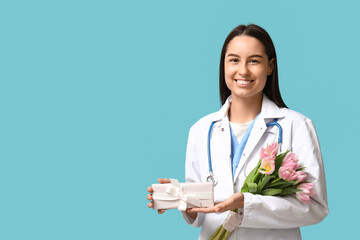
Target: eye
[(235, 60), (254, 61)]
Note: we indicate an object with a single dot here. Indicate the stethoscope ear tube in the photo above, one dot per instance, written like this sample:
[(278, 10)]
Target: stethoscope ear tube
[(208, 147), (211, 177), (275, 123)]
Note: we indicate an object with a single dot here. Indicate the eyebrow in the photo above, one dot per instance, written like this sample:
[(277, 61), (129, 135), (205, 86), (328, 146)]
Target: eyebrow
[(252, 56)]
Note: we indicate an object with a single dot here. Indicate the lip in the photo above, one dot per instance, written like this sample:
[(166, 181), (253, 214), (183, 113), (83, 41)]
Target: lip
[(243, 82)]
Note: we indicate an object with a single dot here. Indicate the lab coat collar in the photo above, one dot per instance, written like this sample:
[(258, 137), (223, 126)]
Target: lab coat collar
[(268, 109)]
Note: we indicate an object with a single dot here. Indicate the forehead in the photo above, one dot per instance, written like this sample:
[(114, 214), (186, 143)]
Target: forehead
[(245, 46)]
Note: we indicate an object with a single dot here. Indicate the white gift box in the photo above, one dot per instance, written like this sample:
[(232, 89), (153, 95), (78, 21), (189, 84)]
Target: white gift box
[(183, 195)]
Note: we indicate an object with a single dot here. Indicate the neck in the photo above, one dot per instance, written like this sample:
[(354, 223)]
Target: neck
[(243, 110)]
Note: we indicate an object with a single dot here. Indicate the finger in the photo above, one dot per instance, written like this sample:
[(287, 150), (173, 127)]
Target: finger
[(227, 205), (150, 205), (203, 210), (207, 210), (150, 190), (231, 203), (221, 207), (163, 180), (161, 211), (149, 197)]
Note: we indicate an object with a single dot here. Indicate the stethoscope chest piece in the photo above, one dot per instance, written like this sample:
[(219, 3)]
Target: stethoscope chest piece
[(213, 179)]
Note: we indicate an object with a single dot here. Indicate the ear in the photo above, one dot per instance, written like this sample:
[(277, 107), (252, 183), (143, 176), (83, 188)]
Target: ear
[(271, 66)]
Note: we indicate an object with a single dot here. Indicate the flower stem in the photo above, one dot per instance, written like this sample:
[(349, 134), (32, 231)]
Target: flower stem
[(256, 177), (227, 234), (221, 234), (216, 233), (276, 180)]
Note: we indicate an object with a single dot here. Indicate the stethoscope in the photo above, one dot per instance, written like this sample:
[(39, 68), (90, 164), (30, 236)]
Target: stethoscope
[(211, 177)]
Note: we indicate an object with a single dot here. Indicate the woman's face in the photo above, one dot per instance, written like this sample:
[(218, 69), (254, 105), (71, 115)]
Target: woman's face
[(246, 67)]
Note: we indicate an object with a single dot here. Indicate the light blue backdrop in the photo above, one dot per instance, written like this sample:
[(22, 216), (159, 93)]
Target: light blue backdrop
[(97, 97)]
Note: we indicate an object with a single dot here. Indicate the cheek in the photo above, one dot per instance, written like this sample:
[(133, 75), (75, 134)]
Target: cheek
[(229, 70), (262, 75), (228, 74), (228, 82)]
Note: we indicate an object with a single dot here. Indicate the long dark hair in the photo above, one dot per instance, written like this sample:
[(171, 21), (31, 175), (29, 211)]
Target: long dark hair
[(271, 88)]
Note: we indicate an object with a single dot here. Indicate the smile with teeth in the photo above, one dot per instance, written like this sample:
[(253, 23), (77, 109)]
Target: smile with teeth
[(243, 82)]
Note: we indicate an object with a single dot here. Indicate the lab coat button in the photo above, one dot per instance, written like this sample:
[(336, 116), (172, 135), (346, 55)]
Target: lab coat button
[(222, 129)]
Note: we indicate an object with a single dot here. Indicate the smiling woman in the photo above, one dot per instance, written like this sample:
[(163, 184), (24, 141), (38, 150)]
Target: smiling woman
[(229, 142), (246, 69)]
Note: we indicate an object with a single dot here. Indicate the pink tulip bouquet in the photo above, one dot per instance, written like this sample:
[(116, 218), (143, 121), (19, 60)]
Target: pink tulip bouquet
[(278, 175)]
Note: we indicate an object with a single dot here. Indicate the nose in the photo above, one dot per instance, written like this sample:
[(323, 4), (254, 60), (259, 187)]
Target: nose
[(243, 69)]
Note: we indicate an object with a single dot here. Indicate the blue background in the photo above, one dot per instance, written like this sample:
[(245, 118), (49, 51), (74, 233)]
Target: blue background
[(97, 97)]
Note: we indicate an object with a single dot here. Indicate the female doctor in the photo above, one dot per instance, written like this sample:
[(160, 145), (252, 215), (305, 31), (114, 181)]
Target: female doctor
[(251, 98)]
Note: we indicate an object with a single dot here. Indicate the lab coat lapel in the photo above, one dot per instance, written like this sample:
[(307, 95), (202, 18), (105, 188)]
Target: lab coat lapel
[(221, 151), (269, 110), (220, 147)]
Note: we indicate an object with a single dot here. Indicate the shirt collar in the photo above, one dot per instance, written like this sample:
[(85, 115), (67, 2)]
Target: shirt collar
[(268, 109)]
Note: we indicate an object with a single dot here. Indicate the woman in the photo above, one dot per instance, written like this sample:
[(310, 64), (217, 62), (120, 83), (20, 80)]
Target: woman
[(251, 98)]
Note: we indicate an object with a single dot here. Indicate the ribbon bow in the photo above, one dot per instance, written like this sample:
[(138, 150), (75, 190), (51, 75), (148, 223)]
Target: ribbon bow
[(178, 191)]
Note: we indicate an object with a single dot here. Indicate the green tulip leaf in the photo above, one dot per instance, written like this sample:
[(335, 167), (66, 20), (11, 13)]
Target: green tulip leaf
[(252, 187), (281, 184), (250, 178), (271, 191), (289, 190), (264, 181)]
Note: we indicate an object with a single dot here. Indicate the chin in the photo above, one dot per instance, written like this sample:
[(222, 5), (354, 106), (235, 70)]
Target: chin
[(236, 94)]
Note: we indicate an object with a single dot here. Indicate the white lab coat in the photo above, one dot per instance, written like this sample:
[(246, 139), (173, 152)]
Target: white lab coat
[(263, 217)]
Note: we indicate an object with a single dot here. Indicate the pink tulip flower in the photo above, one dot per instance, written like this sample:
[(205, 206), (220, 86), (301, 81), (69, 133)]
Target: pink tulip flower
[(301, 176), (270, 151), (306, 192), (267, 166), (288, 169), (268, 156), (290, 175), (291, 161), (287, 174)]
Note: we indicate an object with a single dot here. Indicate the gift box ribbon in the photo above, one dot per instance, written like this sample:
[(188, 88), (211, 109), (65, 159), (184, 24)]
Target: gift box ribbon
[(175, 191)]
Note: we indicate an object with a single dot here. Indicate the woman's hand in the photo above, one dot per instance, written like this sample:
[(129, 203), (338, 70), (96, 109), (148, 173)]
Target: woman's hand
[(234, 201), (149, 196)]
